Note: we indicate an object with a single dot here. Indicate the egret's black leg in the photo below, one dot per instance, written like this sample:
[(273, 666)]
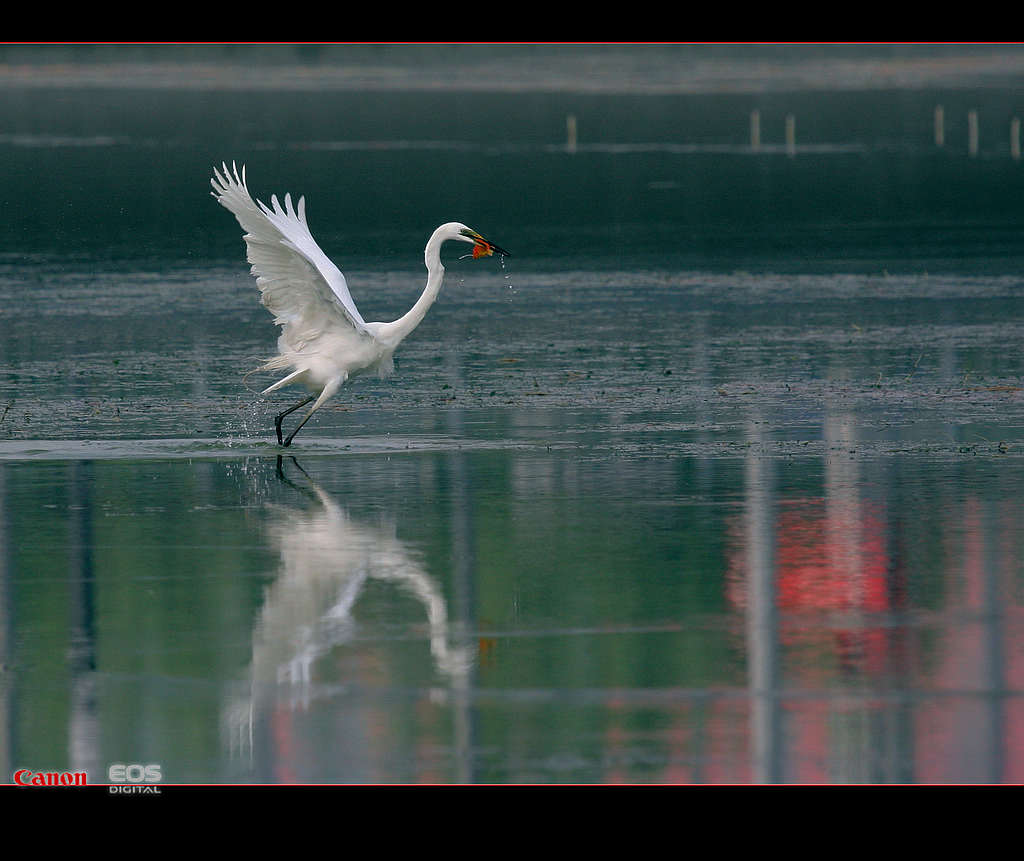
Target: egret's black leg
[(329, 389), (280, 417), (291, 436)]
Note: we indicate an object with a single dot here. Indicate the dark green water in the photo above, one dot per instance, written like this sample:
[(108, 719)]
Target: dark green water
[(717, 479)]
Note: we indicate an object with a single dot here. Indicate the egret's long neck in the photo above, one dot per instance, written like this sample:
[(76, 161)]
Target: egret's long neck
[(400, 328)]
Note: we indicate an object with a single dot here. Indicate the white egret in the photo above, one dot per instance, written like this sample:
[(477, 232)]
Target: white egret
[(324, 339)]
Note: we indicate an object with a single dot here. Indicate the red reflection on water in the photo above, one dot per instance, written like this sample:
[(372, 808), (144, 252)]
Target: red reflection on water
[(869, 691), (829, 558)]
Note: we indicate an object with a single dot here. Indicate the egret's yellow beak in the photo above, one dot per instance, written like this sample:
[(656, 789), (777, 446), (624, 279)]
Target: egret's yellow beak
[(483, 248)]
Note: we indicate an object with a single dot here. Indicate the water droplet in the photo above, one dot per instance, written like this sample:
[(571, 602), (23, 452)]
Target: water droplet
[(508, 276)]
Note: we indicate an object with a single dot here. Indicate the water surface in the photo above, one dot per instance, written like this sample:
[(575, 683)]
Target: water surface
[(717, 480)]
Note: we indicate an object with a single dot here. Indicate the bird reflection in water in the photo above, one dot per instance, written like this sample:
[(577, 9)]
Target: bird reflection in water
[(327, 559)]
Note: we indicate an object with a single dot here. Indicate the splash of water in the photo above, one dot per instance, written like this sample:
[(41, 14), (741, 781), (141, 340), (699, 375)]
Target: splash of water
[(249, 425)]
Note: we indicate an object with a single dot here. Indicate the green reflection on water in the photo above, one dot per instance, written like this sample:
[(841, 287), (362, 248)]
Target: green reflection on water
[(502, 616), (725, 488)]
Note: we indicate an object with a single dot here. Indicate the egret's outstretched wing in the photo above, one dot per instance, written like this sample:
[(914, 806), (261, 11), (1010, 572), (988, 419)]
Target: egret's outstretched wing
[(300, 286)]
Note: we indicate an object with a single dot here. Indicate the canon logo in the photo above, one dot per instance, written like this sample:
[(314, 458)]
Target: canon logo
[(27, 777)]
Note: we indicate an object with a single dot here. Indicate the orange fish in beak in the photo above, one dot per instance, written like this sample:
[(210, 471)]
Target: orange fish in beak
[(483, 248)]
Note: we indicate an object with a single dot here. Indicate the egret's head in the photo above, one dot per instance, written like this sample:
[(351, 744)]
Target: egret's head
[(481, 247)]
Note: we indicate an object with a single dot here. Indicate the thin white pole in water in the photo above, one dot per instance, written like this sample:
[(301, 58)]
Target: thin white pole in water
[(755, 130), (790, 134), (570, 133), (972, 132), (940, 126), (1015, 138)]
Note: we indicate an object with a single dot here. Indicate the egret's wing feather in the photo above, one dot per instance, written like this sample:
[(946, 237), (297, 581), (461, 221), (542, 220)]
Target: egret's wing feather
[(300, 286), (291, 223)]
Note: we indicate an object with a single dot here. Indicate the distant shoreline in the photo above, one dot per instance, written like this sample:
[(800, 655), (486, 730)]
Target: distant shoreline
[(653, 70)]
